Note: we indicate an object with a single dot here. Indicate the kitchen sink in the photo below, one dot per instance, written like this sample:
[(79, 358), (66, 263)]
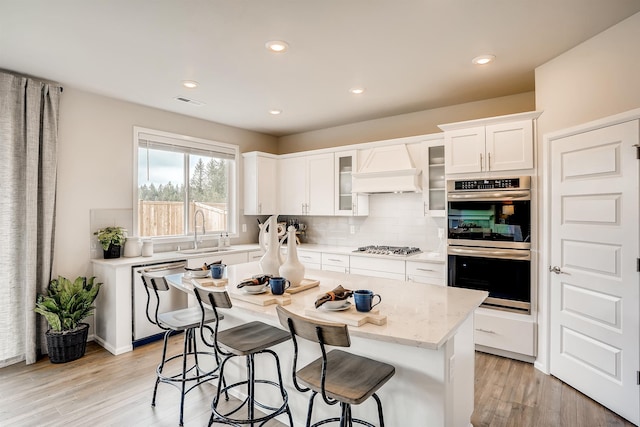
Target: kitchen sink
[(203, 250)]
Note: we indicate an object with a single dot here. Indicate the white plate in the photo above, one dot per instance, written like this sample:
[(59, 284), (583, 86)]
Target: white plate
[(198, 274), (261, 291), (346, 306)]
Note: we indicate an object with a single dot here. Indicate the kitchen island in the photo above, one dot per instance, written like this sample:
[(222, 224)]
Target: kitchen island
[(427, 336)]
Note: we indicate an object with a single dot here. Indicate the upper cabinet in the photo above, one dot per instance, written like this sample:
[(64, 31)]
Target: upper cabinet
[(433, 186), (489, 145), (306, 185), (348, 203), (260, 183)]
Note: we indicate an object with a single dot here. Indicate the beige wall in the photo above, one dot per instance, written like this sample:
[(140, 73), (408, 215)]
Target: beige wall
[(95, 163), (598, 78), (419, 123)]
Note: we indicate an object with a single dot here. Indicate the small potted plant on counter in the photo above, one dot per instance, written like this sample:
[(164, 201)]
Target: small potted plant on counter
[(111, 239), (64, 306)]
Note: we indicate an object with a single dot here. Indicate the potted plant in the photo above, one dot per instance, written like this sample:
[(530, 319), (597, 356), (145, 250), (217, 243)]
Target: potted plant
[(111, 239), (64, 306)]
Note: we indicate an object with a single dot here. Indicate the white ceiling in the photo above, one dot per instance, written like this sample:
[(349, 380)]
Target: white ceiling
[(410, 55)]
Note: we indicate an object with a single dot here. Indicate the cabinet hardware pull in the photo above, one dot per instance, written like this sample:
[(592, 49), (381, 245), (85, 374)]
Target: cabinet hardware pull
[(488, 161), (424, 269), (485, 330), (333, 259), (481, 165)]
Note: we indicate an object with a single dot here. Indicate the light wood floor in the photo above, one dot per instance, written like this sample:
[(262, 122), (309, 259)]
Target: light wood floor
[(104, 390)]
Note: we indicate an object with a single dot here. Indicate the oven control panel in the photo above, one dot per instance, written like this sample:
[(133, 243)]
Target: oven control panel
[(490, 184)]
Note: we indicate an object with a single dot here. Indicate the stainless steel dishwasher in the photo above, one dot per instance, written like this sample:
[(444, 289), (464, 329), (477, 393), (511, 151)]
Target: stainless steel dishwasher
[(144, 331)]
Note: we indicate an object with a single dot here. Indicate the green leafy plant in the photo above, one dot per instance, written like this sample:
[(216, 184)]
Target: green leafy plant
[(111, 236), (67, 303)]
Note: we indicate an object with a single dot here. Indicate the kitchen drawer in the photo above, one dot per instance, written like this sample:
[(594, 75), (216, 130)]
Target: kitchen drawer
[(310, 259), (335, 262), (378, 264), (425, 269), (374, 273), (505, 331), (255, 255)]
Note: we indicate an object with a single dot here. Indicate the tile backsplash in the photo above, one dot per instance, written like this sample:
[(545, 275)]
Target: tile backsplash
[(394, 219)]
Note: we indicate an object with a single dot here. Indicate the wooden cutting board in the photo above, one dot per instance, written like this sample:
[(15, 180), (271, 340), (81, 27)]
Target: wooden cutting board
[(266, 298), (304, 285), (206, 281), (351, 317)]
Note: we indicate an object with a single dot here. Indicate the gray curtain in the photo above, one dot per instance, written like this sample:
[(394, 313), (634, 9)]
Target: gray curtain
[(28, 159)]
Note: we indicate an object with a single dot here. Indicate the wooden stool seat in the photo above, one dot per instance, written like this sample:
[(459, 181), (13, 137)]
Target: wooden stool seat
[(350, 378), (251, 338), (337, 376), (248, 340), (180, 320), (182, 370)]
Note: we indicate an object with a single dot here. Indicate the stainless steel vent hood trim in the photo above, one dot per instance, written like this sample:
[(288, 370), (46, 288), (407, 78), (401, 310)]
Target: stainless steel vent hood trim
[(388, 169)]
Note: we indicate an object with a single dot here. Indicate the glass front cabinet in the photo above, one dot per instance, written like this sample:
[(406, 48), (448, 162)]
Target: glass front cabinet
[(433, 188), (348, 203)]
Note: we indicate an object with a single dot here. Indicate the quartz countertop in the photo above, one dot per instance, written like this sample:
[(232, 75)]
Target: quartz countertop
[(418, 314), (158, 257), (348, 250)]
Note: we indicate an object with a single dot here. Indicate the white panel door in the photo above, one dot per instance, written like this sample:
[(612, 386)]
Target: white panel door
[(464, 150), (594, 285)]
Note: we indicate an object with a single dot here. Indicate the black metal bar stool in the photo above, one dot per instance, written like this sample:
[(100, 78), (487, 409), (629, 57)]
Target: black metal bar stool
[(337, 376), (249, 340), (186, 320)]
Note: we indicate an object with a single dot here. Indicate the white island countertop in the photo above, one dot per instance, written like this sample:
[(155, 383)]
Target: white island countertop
[(417, 314), (428, 337)]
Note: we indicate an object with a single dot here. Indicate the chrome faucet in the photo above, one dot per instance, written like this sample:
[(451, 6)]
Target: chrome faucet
[(195, 227)]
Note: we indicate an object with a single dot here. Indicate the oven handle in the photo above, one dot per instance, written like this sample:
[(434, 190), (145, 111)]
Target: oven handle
[(515, 254), (491, 195)]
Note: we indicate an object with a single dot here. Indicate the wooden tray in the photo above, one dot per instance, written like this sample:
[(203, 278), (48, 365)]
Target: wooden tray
[(206, 281), (304, 285), (266, 298), (351, 316)]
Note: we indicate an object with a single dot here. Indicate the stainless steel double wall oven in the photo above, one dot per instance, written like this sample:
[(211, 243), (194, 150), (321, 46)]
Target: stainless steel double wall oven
[(489, 239)]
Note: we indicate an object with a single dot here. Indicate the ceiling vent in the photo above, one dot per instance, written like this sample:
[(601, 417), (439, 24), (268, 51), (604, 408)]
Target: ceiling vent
[(188, 100)]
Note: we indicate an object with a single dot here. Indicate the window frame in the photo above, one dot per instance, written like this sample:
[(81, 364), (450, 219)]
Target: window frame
[(196, 143)]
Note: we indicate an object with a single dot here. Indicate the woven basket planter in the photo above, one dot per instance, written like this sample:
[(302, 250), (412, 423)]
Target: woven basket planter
[(68, 346)]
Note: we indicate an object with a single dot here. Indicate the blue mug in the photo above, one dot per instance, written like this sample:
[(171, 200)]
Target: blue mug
[(217, 270), (279, 285), (364, 300)]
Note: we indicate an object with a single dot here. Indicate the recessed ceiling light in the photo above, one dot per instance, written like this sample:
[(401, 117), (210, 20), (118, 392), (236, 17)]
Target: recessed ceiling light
[(190, 84), (483, 59), (275, 111), (356, 90), (277, 46)]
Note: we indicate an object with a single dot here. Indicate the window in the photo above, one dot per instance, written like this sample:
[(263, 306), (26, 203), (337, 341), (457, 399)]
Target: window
[(178, 175)]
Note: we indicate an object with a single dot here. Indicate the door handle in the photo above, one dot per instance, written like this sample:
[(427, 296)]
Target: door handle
[(555, 269)]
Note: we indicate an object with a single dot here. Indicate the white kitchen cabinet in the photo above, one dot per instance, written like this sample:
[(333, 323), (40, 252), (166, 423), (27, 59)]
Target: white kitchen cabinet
[(260, 183), (310, 259), (335, 262), (228, 259), (431, 273), (306, 185), (346, 202), (255, 255), (510, 332), (433, 182), (490, 145), (377, 267)]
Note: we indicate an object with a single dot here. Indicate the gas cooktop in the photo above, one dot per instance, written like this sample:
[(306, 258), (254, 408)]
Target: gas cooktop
[(389, 250)]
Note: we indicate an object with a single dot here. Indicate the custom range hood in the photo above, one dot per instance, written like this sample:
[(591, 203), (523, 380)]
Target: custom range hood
[(388, 169)]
